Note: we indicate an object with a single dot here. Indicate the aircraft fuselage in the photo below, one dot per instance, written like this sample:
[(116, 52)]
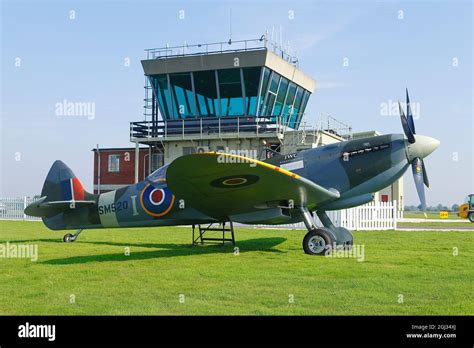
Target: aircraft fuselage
[(355, 169)]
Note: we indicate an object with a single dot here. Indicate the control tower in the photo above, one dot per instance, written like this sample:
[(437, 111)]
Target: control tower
[(226, 96)]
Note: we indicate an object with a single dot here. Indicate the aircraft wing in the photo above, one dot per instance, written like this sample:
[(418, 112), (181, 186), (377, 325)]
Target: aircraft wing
[(221, 185)]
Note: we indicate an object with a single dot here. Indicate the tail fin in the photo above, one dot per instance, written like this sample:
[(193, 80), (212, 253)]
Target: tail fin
[(61, 191), (62, 185)]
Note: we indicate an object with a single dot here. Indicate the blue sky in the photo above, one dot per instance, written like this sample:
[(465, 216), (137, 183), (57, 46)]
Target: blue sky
[(47, 57)]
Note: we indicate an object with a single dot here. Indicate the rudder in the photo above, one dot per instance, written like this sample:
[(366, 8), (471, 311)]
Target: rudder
[(62, 185)]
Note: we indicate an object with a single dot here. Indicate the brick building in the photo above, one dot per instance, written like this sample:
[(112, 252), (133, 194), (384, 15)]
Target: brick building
[(115, 167)]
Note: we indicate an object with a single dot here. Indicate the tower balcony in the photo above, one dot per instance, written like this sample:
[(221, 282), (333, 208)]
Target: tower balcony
[(210, 128)]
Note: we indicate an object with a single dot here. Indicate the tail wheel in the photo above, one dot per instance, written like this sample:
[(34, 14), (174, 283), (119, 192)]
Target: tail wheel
[(471, 217), (68, 238), (318, 242)]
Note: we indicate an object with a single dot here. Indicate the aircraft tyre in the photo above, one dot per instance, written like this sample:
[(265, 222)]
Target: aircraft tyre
[(68, 238), (318, 242)]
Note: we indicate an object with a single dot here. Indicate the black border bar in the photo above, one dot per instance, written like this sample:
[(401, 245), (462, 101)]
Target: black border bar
[(264, 330)]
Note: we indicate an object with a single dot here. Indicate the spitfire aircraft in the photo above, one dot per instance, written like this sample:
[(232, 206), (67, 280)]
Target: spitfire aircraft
[(212, 187)]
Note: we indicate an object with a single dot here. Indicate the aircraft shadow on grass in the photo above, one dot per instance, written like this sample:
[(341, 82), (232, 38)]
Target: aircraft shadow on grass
[(165, 250)]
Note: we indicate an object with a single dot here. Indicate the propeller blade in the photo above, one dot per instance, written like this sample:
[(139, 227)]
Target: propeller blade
[(409, 115), (406, 127), (425, 175), (417, 169)]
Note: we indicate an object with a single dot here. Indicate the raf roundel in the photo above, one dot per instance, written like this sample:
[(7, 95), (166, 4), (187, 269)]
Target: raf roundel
[(156, 201), (234, 181)]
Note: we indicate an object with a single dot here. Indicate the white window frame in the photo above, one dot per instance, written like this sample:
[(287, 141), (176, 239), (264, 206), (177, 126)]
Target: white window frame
[(109, 163)]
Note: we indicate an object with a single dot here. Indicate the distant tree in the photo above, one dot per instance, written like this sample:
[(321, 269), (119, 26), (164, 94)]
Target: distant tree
[(455, 207), (439, 207)]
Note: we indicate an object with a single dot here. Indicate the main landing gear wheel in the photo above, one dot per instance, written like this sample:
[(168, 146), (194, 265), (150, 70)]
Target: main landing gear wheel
[(68, 238), (317, 242)]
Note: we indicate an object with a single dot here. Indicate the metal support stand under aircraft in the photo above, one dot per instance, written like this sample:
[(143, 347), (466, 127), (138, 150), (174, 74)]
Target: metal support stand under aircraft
[(68, 238), (321, 241), (200, 239)]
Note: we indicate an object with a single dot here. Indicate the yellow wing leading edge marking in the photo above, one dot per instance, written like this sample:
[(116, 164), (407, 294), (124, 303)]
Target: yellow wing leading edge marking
[(251, 160)]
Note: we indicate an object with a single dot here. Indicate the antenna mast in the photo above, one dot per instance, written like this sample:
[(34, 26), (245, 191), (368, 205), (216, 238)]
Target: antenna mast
[(230, 25)]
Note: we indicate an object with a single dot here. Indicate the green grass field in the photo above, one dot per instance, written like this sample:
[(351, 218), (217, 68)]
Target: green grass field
[(270, 269), (434, 224)]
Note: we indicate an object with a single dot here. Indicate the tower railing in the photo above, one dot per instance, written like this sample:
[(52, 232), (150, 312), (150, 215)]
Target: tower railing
[(185, 49), (205, 127), (239, 126)]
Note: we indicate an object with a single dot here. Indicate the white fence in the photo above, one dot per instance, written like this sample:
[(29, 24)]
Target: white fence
[(371, 216), (11, 208)]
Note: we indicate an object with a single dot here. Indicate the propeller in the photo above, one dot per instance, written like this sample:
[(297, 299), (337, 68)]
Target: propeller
[(406, 127), (409, 114), (418, 167)]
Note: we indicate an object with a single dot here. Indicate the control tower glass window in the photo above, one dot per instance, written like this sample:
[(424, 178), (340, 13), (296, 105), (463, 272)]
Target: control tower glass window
[(206, 93), (288, 107), (280, 97), (160, 88), (251, 82), (296, 108), (303, 107), (182, 95), (230, 88), (264, 88), (248, 91), (272, 90)]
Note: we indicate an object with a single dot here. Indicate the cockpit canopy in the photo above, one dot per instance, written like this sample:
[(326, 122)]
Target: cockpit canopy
[(158, 177)]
